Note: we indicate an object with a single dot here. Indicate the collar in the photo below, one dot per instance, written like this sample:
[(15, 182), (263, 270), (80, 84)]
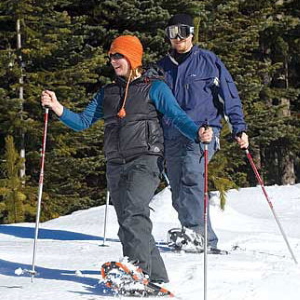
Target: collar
[(172, 55)]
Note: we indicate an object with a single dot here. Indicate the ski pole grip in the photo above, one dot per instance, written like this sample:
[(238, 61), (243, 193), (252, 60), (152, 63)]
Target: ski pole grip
[(205, 126), (239, 135)]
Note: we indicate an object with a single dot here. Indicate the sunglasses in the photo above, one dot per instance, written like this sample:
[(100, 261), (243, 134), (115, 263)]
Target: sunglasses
[(116, 56), (181, 31)]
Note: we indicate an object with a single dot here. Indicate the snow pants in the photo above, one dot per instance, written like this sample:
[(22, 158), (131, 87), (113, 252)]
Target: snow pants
[(185, 169), (132, 186)]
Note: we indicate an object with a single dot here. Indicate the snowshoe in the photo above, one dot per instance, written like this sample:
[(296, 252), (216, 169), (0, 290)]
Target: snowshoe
[(185, 239), (128, 279), (217, 251)]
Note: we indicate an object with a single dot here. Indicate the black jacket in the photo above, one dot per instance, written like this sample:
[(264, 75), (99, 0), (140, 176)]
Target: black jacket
[(140, 131)]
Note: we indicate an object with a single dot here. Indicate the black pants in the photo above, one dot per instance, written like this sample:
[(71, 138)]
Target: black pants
[(132, 186)]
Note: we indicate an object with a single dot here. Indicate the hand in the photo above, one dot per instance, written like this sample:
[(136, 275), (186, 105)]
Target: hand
[(48, 99), (205, 134), (242, 140)]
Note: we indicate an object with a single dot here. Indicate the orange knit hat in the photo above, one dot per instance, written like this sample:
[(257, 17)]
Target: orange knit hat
[(131, 47)]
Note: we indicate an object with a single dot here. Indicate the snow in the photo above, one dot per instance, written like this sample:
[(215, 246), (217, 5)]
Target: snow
[(71, 250)]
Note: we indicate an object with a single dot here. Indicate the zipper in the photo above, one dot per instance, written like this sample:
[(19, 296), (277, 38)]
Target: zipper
[(118, 143)]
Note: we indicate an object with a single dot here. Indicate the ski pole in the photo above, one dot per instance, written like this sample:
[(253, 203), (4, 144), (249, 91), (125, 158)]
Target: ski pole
[(205, 213), (260, 181), (40, 192), (166, 178), (105, 220), (205, 216)]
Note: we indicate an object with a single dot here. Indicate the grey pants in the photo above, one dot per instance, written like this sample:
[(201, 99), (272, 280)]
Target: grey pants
[(132, 186), (185, 169)]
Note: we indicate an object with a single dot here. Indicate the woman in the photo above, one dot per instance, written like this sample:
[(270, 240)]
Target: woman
[(132, 107)]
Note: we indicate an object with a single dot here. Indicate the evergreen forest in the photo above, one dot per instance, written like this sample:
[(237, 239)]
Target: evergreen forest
[(62, 45)]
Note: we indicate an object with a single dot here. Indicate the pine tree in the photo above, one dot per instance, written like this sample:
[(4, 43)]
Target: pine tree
[(12, 205), (59, 57), (279, 42), (64, 48), (237, 31)]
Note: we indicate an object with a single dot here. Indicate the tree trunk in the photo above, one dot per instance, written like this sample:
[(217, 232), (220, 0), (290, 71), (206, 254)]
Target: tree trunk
[(287, 170), (21, 97)]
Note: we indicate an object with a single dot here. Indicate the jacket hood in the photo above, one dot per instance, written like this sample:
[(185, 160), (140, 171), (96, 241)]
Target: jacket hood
[(153, 71)]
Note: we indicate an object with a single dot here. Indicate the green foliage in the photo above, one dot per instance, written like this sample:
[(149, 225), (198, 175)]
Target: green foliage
[(64, 48), (217, 179), (256, 40), (60, 53), (12, 197)]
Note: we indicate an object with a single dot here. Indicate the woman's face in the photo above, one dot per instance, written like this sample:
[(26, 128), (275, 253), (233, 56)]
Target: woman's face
[(120, 64)]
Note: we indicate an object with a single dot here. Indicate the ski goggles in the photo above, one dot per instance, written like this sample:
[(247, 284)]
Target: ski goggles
[(180, 30)]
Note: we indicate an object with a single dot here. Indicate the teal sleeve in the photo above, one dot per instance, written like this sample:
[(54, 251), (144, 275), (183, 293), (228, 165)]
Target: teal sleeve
[(83, 120), (165, 102)]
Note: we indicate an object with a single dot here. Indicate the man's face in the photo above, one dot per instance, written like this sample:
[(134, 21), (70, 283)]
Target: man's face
[(182, 45)]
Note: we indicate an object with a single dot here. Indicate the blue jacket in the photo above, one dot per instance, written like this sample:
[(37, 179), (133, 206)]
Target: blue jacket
[(159, 94), (204, 89)]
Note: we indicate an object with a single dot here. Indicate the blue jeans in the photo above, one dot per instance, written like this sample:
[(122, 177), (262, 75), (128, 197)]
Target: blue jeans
[(185, 169)]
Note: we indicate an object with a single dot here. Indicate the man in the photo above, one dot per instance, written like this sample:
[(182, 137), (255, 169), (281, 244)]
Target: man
[(133, 144), (205, 90)]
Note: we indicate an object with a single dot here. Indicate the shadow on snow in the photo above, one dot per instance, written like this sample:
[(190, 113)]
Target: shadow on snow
[(92, 285), (51, 234)]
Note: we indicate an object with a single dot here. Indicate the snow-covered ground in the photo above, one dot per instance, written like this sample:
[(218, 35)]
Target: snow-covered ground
[(70, 251)]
